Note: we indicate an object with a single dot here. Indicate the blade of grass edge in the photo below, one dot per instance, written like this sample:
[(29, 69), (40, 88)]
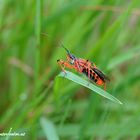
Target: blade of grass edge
[(75, 78), (49, 129)]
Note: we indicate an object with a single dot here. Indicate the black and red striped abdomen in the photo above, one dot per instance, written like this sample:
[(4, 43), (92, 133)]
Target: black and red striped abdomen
[(93, 76)]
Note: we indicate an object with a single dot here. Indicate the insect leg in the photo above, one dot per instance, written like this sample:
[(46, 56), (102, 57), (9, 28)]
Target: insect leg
[(88, 67), (77, 67), (61, 64), (64, 64)]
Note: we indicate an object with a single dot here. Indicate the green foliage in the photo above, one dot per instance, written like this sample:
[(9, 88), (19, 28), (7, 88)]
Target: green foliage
[(35, 100)]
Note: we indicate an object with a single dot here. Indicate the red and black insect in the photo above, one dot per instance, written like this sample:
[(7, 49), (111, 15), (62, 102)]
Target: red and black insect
[(84, 66)]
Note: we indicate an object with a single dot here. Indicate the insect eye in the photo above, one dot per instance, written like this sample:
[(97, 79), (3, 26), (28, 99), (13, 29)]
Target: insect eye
[(72, 56), (72, 61)]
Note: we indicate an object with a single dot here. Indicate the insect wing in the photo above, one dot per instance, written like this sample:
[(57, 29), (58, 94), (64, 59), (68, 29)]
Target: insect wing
[(100, 74)]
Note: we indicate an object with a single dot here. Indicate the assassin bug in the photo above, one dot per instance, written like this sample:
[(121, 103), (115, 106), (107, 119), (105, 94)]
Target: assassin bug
[(83, 66)]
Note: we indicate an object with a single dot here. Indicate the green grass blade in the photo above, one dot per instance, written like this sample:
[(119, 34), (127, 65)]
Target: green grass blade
[(121, 58), (38, 21), (81, 81), (38, 43), (49, 129)]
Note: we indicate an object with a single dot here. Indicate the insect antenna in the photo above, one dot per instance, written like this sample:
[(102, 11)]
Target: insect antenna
[(61, 43), (65, 48)]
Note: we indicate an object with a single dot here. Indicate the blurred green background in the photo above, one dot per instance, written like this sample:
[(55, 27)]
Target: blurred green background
[(34, 101)]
